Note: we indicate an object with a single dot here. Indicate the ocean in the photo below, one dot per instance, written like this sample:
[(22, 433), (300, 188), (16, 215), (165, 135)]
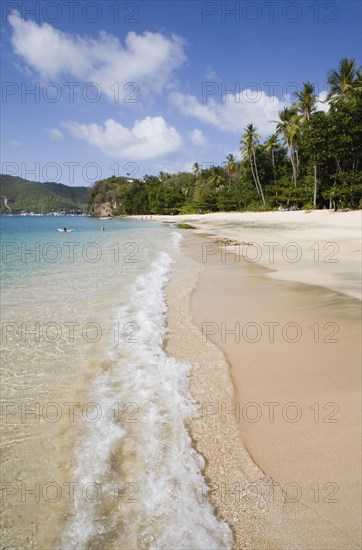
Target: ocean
[(95, 447)]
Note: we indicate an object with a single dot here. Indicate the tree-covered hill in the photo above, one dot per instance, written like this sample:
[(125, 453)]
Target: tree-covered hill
[(38, 197)]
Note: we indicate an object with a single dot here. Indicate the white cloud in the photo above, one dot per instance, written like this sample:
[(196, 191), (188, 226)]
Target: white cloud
[(55, 134), (147, 59), (190, 106), (234, 111), (174, 167), (197, 137), (321, 106), (150, 138)]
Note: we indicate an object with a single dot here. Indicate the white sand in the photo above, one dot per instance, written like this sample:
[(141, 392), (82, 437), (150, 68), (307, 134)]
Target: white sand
[(315, 247)]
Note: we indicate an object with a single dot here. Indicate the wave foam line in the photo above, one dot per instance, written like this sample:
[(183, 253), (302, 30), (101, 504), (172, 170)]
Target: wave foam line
[(155, 451)]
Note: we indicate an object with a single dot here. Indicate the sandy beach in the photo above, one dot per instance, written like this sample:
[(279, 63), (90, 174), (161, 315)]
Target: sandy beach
[(316, 247), (278, 383)]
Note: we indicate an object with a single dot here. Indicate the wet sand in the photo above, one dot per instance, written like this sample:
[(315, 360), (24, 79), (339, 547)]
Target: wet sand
[(298, 402), (284, 471)]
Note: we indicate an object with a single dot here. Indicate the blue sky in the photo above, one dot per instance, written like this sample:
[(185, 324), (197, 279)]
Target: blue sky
[(143, 87)]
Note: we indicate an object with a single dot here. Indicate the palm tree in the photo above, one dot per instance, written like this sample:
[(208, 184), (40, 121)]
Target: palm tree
[(271, 144), (345, 81), (249, 141), (306, 106), (288, 126), (230, 166), (215, 178)]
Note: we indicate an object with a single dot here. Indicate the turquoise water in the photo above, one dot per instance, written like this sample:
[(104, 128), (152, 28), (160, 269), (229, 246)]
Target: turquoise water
[(33, 245), (95, 453)]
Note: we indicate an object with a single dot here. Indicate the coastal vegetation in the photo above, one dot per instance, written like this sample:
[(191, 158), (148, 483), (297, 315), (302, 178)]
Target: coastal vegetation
[(312, 160)]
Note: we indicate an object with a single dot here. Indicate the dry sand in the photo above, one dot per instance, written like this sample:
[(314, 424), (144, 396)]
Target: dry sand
[(284, 471), (315, 247)]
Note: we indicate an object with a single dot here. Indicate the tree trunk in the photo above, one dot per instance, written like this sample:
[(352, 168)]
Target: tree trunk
[(294, 168), (315, 186), (257, 176), (294, 176), (274, 171), (254, 177)]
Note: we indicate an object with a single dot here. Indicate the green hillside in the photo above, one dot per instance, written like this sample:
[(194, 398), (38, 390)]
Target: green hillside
[(40, 197)]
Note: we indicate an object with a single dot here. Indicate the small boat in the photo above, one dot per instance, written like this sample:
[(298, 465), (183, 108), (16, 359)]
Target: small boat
[(65, 230), (109, 217)]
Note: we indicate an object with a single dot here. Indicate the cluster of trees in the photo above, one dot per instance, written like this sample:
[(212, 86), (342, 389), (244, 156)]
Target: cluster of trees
[(313, 160)]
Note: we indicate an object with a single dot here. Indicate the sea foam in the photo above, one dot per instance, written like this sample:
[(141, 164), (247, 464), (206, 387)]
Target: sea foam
[(148, 450)]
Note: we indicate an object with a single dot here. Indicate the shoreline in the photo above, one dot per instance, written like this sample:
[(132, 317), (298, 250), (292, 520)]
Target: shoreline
[(226, 463), (229, 448)]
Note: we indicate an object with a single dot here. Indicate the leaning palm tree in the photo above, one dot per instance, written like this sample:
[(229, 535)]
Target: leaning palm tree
[(248, 142), (345, 81), (288, 126), (271, 144)]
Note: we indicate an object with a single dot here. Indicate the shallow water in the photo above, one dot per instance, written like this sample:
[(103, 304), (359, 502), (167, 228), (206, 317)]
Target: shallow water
[(95, 451)]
